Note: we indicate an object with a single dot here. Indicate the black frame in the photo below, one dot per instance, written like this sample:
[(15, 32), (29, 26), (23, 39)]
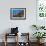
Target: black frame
[(18, 18)]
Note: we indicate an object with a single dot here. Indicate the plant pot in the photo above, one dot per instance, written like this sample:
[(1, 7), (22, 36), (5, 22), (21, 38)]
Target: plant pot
[(40, 41)]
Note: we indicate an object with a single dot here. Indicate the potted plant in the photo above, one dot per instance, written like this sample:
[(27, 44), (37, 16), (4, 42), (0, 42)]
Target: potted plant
[(38, 27), (35, 26), (42, 27), (39, 35)]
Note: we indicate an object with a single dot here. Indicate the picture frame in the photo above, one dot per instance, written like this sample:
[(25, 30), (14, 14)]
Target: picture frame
[(41, 12), (41, 8), (17, 13)]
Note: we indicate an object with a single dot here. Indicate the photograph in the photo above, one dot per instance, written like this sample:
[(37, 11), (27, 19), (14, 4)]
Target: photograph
[(17, 13)]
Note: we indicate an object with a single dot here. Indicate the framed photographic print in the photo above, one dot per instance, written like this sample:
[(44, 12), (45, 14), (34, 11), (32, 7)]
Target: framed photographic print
[(17, 13), (41, 8), (41, 12)]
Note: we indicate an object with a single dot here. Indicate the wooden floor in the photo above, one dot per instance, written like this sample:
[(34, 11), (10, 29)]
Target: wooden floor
[(13, 44)]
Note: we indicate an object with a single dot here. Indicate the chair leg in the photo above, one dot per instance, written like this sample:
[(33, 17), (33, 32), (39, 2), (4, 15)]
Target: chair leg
[(5, 43), (17, 39), (5, 40)]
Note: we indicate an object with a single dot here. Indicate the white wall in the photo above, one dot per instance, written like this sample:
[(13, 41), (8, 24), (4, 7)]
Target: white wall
[(24, 25)]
